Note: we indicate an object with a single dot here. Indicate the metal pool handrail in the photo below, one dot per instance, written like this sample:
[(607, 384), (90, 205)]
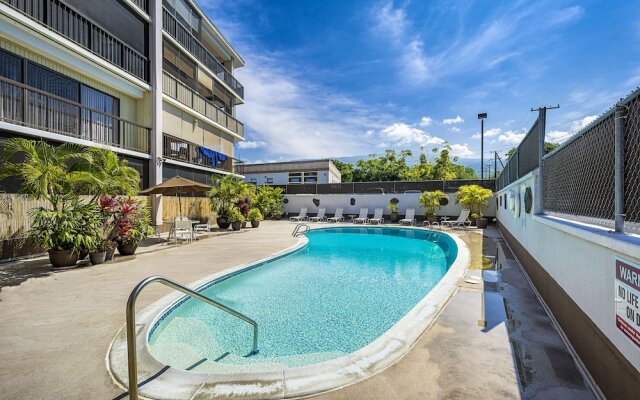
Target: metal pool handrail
[(296, 230), (131, 323)]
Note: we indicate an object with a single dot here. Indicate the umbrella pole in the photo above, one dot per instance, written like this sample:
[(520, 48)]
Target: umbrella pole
[(179, 202)]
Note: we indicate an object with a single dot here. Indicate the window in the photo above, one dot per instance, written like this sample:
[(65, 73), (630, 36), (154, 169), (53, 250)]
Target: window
[(295, 177), (179, 64), (253, 180), (52, 82), (311, 177), (10, 66), (99, 127), (185, 14), (268, 181), (303, 177)]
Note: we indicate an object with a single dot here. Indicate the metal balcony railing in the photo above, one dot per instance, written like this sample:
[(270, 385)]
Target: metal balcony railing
[(143, 4), (183, 36), (177, 90), (27, 106), (74, 26), (180, 150)]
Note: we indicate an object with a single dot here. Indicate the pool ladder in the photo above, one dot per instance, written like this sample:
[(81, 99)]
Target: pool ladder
[(297, 231), (131, 323)]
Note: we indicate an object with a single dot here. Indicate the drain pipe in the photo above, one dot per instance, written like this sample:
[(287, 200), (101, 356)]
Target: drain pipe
[(620, 116)]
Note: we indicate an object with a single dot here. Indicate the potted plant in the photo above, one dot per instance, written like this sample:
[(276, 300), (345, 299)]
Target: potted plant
[(235, 218), (393, 207), (133, 224), (430, 201), (64, 231), (224, 194), (255, 216), (474, 197), (98, 254), (268, 199), (244, 204)]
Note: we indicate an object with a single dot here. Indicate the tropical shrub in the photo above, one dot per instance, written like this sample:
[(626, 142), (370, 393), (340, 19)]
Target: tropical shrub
[(269, 201), (430, 201), (226, 192), (393, 207), (234, 215), (106, 174), (474, 197), (132, 221), (254, 215)]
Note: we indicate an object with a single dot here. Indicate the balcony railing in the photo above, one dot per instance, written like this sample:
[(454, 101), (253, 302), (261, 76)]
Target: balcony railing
[(143, 4), (183, 36), (180, 150), (81, 30), (27, 106), (177, 90)]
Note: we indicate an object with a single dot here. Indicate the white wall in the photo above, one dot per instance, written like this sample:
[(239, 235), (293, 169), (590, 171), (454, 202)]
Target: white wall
[(282, 178), (579, 257), (371, 201)]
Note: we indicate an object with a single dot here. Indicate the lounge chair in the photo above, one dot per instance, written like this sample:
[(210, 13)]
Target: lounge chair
[(337, 217), (410, 217), (434, 224), (320, 216), (463, 220), (208, 227), (362, 218), (301, 217), (377, 216)]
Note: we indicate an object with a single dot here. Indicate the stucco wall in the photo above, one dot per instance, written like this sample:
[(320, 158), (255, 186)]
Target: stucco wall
[(581, 260), (371, 201)]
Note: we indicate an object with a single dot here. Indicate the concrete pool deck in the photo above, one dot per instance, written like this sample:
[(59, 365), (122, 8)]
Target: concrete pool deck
[(492, 340)]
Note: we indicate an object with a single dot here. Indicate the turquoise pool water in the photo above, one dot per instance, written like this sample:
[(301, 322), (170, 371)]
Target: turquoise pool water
[(330, 298)]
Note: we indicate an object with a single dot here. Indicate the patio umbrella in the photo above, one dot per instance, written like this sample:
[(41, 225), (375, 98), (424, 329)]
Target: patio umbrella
[(177, 185)]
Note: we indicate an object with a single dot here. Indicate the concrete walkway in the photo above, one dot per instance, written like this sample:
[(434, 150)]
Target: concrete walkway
[(55, 330)]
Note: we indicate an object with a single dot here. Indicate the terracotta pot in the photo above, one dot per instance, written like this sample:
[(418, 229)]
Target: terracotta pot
[(109, 253), (482, 223), (255, 224), (223, 223), (98, 257), (236, 225), (127, 249), (63, 258)]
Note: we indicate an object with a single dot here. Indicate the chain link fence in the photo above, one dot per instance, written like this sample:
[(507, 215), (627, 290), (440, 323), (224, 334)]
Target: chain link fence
[(632, 164), (390, 187), (523, 160)]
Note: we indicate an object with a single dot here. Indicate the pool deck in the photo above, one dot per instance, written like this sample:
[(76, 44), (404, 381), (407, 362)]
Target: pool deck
[(493, 340)]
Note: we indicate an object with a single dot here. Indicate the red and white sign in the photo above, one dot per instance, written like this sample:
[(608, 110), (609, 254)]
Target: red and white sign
[(628, 299)]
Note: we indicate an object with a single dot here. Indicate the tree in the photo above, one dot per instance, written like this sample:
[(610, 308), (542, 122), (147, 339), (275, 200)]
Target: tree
[(225, 193), (444, 168), (473, 197), (346, 170), (391, 166), (106, 174)]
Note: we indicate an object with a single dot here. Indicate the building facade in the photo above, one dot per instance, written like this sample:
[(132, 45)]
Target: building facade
[(153, 80), (292, 172)]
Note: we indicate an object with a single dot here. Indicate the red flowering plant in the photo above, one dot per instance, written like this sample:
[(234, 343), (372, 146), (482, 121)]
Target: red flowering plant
[(107, 207), (132, 221)]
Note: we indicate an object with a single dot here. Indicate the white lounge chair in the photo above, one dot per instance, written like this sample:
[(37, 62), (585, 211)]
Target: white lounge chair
[(463, 220), (434, 224), (320, 216), (410, 217), (362, 218), (377, 216), (337, 217), (301, 217), (208, 227)]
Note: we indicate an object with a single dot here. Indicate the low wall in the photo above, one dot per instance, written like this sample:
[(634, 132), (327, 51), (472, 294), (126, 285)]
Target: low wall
[(573, 267), (371, 201)]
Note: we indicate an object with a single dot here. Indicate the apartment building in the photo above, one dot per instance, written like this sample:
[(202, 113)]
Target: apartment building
[(150, 79), (292, 172)]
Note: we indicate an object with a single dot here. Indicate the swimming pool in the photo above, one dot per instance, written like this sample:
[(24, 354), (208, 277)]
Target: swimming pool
[(328, 299)]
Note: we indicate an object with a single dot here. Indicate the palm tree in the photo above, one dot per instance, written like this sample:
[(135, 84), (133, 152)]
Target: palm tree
[(46, 171), (106, 174)]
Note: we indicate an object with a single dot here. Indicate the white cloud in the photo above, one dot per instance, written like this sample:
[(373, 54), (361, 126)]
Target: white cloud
[(488, 133), (426, 121), (403, 134), (557, 136), (582, 123), (250, 144), (450, 121), (454, 129), (461, 150), (511, 137)]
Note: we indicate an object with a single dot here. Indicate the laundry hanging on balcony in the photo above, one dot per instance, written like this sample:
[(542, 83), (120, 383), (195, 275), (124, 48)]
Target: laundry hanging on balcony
[(215, 157)]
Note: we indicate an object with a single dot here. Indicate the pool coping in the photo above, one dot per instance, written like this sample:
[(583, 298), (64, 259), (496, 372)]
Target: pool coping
[(281, 382)]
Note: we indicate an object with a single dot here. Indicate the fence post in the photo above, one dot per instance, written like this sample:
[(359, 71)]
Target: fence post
[(620, 116), (542, 122)]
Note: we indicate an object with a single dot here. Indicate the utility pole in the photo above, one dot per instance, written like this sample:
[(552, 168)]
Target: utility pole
[(495, 165), (538, 206), (482, 117)]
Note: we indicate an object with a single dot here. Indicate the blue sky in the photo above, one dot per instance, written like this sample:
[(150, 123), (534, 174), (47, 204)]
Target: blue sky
[(348, 78)]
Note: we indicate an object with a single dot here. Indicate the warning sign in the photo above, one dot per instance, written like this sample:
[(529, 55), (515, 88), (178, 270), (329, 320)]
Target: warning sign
[(628, 299)]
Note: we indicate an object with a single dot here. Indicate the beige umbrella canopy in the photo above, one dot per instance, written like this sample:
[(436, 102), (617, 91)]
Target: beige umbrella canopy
[(177, 185)]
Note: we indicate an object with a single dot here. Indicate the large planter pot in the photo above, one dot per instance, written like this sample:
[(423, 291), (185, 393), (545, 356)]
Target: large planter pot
[(236, 225), (83, 254), (244, 224), (127, 249), (109, 253), (63, 258), (482, 223), (432, 219), (223, 223), (395, 217), (255, 224), (98, 257)]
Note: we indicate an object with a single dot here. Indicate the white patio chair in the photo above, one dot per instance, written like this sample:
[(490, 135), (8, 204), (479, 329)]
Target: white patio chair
[(320, 216), (337, 217), (362, 218), (432, 225), (463, 220), (377, 216), (300, 217), (205, 227), (410, 217), (184, 230)]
